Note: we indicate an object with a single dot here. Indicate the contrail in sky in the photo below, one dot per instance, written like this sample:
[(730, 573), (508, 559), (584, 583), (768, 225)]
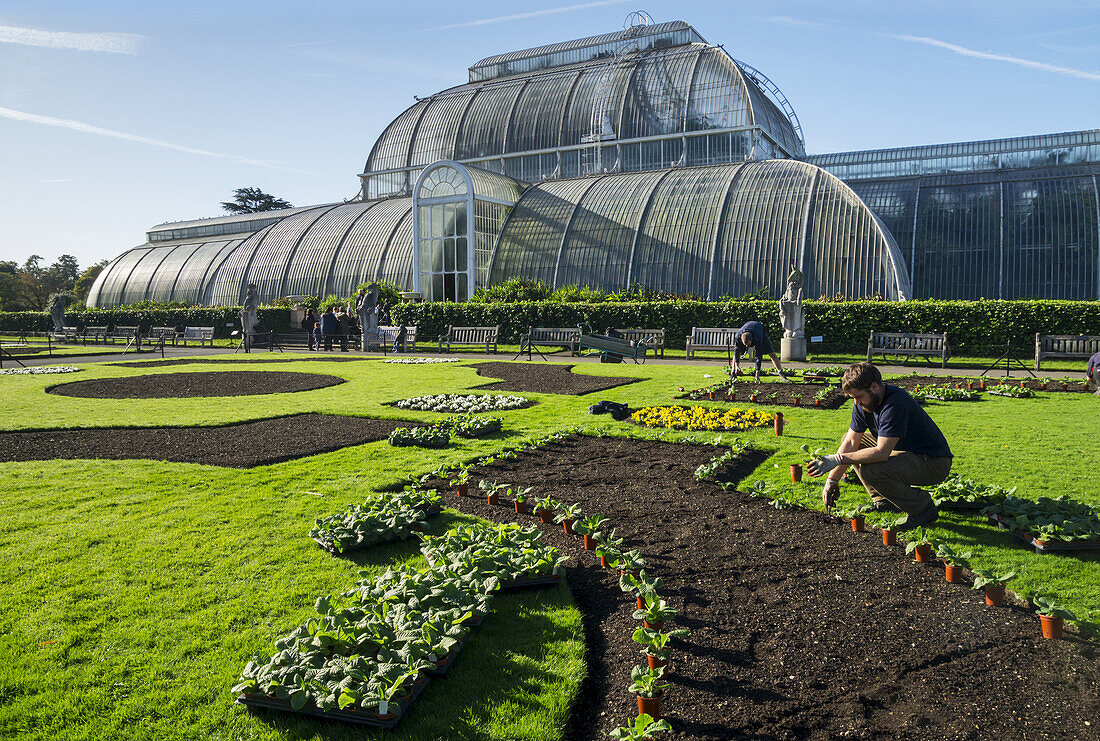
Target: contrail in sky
[(86, 128), (962, 50), (532, 14), (113, 43)]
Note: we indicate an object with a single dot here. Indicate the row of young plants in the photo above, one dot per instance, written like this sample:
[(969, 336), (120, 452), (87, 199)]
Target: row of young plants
[(957, 490), (438, 435), (725, 391), (370, 650), (1058, 519), (384, 518)]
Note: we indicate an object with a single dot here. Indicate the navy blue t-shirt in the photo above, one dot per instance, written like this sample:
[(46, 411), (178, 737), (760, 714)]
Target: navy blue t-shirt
[(901, 417), (760, 341)]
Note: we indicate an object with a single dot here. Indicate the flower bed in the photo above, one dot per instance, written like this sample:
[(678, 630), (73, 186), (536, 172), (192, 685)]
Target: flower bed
[(39, 371), (422, 361), (463, 403), (1015, 392), (701, 418), (431, 436), (468, 426), (381, 519), (945, 393)]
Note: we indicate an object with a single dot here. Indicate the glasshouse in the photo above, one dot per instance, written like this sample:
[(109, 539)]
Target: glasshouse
[(648, 156)]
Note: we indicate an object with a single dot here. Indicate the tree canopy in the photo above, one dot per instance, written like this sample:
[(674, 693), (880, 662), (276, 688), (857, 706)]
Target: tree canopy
[(253, 200), (27, 287)]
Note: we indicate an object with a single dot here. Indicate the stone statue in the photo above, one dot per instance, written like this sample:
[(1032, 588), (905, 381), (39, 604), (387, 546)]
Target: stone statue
[(249, 313), (790, 306), (57, 311), (365, 307)]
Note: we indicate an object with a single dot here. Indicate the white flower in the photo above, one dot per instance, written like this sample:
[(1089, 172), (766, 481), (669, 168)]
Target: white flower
[(462, 404), (706, 375), (40, 371), (422, 361)]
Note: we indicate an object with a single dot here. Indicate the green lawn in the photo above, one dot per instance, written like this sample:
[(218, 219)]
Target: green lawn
[(132, 593)]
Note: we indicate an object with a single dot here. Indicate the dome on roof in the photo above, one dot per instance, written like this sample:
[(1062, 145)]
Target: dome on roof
[(659, 92)]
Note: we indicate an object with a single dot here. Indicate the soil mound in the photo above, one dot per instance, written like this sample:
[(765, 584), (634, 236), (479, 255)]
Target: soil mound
[(249, 361), (194, 385), (545, 378), (800, 628), (243, 445)]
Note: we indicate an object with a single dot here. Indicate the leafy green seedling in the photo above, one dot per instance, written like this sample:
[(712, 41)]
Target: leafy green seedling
[(640, 585), (656, 643), (984, 578), (656, 611), (645, 682), (949, 554), (590, 525), (571, 512), (1050, 608), (644, 727), (522, 494)]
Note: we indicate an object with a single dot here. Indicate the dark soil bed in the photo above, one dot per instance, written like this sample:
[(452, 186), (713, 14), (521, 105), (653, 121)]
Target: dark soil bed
[(786, 393), (545, 378), (908, 382), (192, 385), (216, 361), (243, 445), (800, 629)]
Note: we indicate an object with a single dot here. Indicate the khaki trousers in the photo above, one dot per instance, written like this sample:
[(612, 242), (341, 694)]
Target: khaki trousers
[(892, 479)]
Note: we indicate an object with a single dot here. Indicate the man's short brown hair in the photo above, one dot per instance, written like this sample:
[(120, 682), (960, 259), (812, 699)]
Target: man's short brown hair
[(748, 339), (859, 377)]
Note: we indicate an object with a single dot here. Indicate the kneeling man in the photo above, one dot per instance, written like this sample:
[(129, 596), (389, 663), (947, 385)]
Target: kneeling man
[(893, 444)]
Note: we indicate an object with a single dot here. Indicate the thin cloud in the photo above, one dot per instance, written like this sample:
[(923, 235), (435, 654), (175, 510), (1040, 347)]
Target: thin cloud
[(1030, 64), (786, 20), (59, 180), (112, 43), (86, 128), (520, 16), (1068, 49), (308, 43)]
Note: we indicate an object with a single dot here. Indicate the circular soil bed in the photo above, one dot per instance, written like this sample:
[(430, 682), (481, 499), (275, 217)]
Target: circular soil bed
[(545, 378), (216, 361), (193, 385), (242, 445), (785, 394), (908, 382)]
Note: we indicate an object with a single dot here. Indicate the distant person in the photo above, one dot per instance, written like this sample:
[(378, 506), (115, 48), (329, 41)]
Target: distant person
[(894, 446), (753, 334), (399, 339), (330, 327), (384, 313), (345, 328), (309, 324), (1092, 375)]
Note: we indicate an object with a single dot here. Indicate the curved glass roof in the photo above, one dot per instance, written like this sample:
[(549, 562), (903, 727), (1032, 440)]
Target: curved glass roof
[(707, 231), (653, 93), (316, 251)]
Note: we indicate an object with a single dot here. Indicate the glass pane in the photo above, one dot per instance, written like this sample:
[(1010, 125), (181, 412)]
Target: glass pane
[(437, 221), (460, 254), (437, 287), (449, 255), (448, 219), (425, 255), (437, 255), (425, 217), (449, 286), (460, 219), (463, 292)]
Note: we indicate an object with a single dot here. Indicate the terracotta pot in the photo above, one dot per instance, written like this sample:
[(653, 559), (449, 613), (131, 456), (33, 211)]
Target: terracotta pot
[(603, 562), (546, 515), (655, 663), (1023, 384), (995, 596), (953, 573), (641, 603), (1052, 626), (796, 472), (778, 424), (710, 394), (653, 626), (650, 706), (857, 524), (589, 544), (568, 525), (889, 537), (521, 508), (463, 489), (797, 400), (982, 382), (731, 395), (923, 553), (817, 402), (969, 386), (492, 498)]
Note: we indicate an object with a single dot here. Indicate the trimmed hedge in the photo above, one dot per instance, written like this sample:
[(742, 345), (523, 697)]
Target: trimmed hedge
[(973, 327), (217, 317)]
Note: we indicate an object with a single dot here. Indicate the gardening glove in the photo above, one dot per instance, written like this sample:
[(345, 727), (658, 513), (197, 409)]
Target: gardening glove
[(821, 466), (829, 493)]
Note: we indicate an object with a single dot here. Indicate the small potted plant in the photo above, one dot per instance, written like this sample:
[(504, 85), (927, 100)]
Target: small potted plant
[(461, 482), (921, 548), (857, 519), (993, 585), (567, 514), (655, 645), (645, 727), (954, 562), (814, 454), (492, 491), (544, 508), (589, 527), (889, 534), (645, 683), (796, 399), (521, 499), (609, 550), (631, 562), (656, 612), (1052, 616), (640, 585)]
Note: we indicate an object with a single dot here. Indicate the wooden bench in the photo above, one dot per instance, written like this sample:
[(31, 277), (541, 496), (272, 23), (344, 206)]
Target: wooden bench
[(387, 335), (130, 334), (909, 343), (67, 334), (655, 338), (552, 337), (1065, 346), (614, 346), (167, 334), (710, 338), (470, 336), (95, 334), (201, 335)]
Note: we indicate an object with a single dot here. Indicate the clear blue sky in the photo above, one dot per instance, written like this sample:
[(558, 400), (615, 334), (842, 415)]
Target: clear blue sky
[(115, 116)]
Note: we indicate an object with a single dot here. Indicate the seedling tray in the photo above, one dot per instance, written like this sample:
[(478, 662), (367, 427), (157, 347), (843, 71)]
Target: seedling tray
[(442, 669), (1030, 540), (525, 582), (356, 717), (950, 504)]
